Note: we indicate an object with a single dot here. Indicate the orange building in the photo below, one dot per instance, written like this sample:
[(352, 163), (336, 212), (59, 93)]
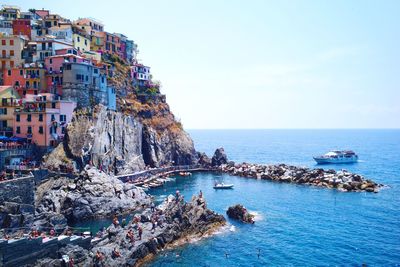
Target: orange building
[(26, 80), (42, 119)]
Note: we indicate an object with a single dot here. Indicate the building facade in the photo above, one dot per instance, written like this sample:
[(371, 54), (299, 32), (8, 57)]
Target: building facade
[(9, 98), (42, 119)]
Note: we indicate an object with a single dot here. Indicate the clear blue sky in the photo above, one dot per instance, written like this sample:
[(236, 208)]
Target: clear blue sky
[(263, 64)]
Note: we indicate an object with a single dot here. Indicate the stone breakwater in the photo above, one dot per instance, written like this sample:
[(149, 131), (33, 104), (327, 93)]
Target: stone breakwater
[(341, 180)]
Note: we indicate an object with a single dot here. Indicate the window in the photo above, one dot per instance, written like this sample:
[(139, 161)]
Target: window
[(21, 72), (53, 117), (53, 105), (40, 117), (18, 130), (63, 118), (51, 61), (41, 129), (63, 130), (9, 72), (29, 117), (3, 42), (87, 78), (78, 39), (29, 130), (18, 117), (11, 64), (11, 53), (11, 42)]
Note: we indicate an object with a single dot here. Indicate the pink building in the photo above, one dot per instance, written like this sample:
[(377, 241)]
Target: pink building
[(42, 119)]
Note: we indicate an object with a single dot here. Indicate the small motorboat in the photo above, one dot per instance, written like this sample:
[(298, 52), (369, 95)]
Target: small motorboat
[(223, 186), (185, 173)]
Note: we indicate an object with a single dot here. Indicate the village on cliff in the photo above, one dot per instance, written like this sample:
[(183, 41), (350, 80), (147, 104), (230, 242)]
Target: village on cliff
[(50, 66)]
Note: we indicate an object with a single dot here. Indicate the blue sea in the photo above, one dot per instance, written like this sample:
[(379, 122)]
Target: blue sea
[(296, 225)]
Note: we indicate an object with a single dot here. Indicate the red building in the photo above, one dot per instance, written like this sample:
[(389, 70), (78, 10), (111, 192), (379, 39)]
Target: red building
[(22, 27)]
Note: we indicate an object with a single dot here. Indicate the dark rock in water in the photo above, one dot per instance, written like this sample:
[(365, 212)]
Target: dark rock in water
[(238, 212), (219, 157)]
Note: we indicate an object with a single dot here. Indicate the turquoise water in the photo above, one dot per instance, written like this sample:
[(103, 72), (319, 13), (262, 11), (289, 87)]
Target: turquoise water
[(297, 225)]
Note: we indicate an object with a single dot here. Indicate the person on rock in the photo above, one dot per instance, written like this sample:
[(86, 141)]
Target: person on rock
[(115, 221), (98, 260), (153, 225), (123, 223), (177, 195), (116, 253), (201, 194), (52, 232), (140, 232), (152, 207)]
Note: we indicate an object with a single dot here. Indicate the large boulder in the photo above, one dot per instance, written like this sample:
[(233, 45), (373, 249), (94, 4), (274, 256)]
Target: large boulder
[(238, 212), (219, 157), (91, 194)]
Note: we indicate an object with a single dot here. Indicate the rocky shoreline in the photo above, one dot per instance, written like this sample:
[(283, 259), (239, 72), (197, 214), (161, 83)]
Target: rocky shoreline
[(123, 245)]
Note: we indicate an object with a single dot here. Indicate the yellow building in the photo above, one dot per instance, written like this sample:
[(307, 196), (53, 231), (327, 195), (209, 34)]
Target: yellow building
[(81, 42), (9, 100)]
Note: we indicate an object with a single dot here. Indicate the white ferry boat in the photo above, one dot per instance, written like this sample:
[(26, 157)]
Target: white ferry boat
[(337, 156)]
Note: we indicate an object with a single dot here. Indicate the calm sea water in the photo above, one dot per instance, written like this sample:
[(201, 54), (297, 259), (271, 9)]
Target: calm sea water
[(297, 225)]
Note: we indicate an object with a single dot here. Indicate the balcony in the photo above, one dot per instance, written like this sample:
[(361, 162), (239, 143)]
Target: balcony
[(5, 56)]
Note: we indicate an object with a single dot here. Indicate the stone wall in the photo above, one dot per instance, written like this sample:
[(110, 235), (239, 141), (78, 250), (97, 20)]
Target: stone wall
[(19, 252), (17, 202)]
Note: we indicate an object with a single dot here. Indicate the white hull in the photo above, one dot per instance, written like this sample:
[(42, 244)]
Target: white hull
[(335, 160)]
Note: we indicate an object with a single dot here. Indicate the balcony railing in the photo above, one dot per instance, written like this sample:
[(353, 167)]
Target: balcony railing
[(6, 129)]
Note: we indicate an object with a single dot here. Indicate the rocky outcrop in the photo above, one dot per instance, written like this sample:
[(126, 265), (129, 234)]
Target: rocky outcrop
[(92, 194), (203, 160), (238, 212), (109, 140), (181, 222), (164, 147), (219, 157), (341, 180)]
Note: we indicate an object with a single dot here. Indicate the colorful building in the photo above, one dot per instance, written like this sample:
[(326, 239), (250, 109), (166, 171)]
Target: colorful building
[(93, 24), (10, 12), (9, 100), (62, 31), (42, 119), (81, 41), (140, 75), (113, 45), (55, 68), (46, 47), (98, 40), (11, 51), (30, 79), (22, 27)]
